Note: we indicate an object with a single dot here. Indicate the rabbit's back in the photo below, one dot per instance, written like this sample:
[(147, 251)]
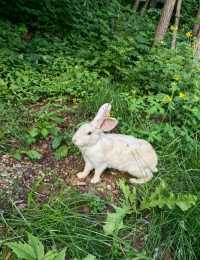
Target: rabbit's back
[(127, 153)]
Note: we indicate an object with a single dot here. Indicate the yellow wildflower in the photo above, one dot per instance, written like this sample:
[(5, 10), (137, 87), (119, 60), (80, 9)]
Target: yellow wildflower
[(182, 94), (174, 28), (74, 101), (177, 77), (168, 99), (189, 34)]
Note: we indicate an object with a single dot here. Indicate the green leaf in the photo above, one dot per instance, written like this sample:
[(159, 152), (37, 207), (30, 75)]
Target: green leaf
[(89, 257), (22, 250), (129, 195), (50, 255), (61, 255), (17, 155), (61, 152), (29, 139), (36, 245), (34, 132), (162, 197), (185, 202), (34, 155), (44, 132), (54, 255), (114, 221), (57, 119), (57, 141)]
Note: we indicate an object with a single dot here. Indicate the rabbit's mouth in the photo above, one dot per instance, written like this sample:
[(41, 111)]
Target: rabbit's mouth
[(77, 143), (74, 141)]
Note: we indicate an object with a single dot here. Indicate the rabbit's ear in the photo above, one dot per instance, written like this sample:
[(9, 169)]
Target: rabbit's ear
[(103, 113), (108, 124)]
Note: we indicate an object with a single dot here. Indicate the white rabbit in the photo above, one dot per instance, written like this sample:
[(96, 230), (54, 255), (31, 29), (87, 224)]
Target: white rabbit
[(122, 152)]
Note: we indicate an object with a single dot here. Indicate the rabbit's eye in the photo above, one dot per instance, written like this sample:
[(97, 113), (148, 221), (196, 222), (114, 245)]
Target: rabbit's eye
[(89, 133)]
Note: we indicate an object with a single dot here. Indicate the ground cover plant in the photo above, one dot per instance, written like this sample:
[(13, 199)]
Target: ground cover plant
[(59, 62)]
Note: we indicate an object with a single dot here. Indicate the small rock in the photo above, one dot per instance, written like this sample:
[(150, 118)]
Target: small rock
[(109, 187), (45, 146), (18, 165), (100, 189), (113, 173), (5, 157), (21, 206), (116, 192), (80, 183)]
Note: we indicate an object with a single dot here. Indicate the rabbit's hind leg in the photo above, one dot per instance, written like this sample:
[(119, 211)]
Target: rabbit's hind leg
[(142, 179)]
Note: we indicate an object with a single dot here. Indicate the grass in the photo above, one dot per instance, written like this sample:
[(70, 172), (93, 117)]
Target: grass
[(61, 222)]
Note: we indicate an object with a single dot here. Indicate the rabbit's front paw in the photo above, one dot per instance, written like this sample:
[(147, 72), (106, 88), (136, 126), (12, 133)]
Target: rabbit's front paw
[(95, 180), (81, 175)]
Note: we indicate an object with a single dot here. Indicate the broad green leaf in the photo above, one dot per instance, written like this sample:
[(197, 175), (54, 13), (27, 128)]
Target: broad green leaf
[(57, 119), (185, 202), (61, 255), (162, 196), (33, 155), (22, 250), (34, 132), (57, 141), (130, 195), (17, 155), (29, 139), (89, 257), (36, 245), (50, 255), (44, 132), (114, 221), (61, 152)]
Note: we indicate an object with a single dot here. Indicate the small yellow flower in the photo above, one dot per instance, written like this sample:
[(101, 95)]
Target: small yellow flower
[(189, 34), (161, 42), (168, 99), (182, 94), (177, 77), (174, 28), (74, 101)]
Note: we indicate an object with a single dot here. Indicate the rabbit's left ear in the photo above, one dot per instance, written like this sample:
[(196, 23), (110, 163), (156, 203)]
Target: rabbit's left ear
[(101, 115), (108, 124)]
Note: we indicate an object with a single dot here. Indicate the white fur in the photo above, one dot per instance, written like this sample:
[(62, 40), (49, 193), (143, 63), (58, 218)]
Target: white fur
[(122, 152)]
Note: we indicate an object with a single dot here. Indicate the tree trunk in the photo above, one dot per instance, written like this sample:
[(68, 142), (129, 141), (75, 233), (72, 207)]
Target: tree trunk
[(198, 45), (178, 13), (153, 3), (136, 4), (145, 7), (164, 21), (196, 27)]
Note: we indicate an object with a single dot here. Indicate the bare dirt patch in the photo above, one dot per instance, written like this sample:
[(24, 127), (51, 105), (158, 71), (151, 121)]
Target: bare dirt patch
[(18, 177)]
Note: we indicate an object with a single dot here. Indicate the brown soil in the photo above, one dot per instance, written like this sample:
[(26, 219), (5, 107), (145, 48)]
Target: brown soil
[(18, 177)]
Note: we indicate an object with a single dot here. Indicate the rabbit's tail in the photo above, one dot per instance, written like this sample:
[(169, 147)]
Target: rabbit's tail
[(148, 177), (154, 170)]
